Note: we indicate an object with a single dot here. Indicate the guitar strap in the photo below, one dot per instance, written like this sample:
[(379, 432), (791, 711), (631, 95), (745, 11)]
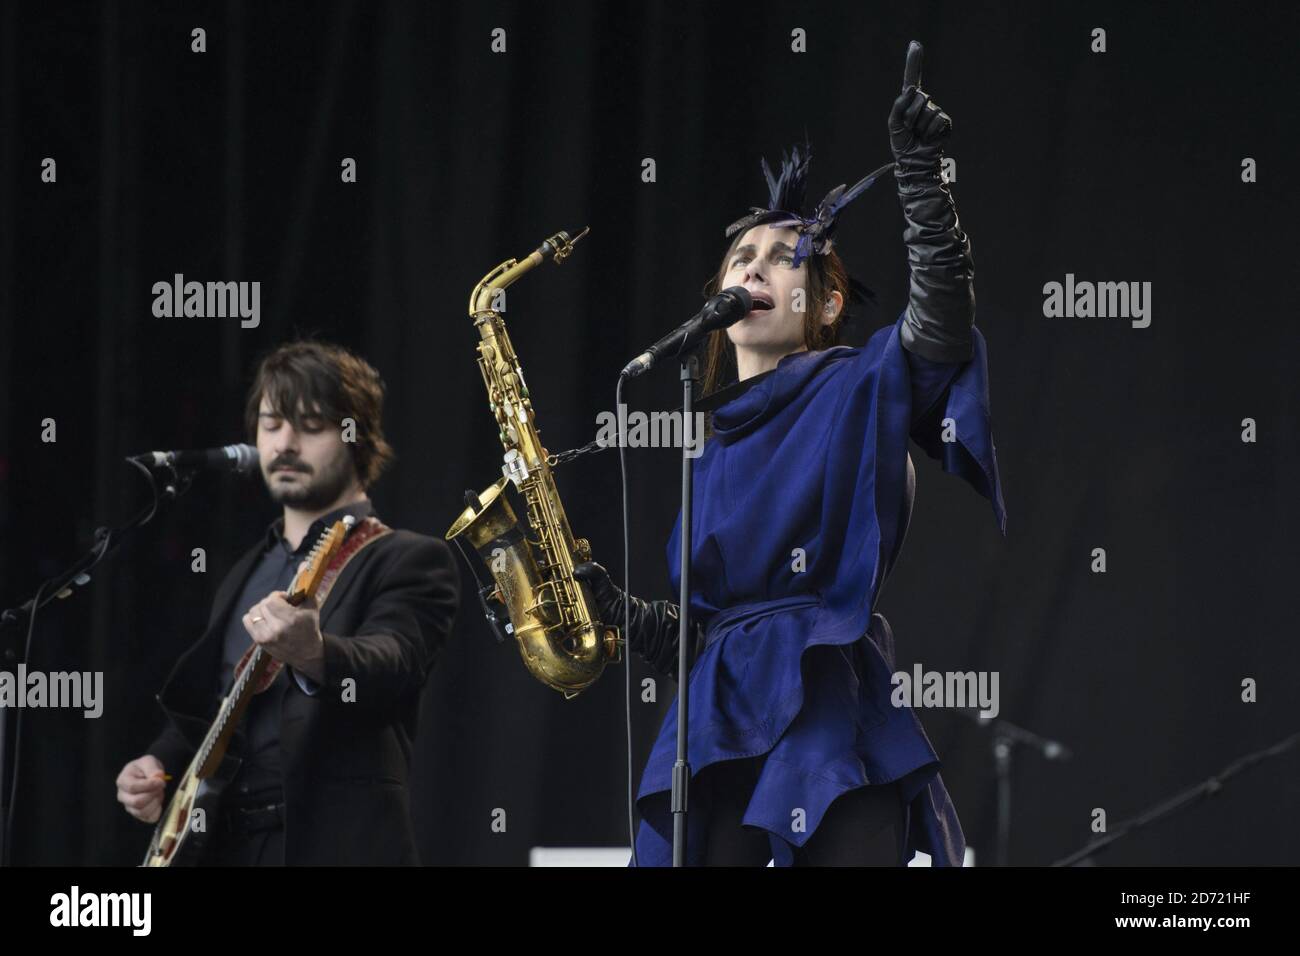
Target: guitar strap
[(370, 529)]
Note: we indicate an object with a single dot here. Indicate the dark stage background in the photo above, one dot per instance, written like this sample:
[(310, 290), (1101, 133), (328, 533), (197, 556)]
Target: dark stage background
[(225, 165)]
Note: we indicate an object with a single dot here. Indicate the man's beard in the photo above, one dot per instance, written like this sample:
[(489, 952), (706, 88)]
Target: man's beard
[(320, 490)]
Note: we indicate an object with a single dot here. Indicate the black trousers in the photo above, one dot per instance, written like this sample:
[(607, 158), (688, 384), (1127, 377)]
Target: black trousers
[(864, 827), (249, 832), (263, 848)]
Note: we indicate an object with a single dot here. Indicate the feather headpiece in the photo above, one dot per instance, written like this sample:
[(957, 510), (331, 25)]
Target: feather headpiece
[(785, 204)]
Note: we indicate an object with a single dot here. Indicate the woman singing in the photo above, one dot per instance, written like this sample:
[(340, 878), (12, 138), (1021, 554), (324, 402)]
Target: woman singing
[(802, 498)]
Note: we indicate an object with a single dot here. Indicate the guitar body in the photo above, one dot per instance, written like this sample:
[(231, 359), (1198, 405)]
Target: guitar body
[(184, 830)]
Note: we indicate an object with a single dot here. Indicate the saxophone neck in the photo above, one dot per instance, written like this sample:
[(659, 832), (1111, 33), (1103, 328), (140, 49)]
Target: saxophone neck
[(558, 246)]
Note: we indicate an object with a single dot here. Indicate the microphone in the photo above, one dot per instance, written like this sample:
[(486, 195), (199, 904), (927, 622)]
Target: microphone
[(241, 459), (1055, 750), (726, 308)]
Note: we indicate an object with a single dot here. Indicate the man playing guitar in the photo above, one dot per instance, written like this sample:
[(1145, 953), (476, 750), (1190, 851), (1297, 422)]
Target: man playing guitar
[(325, 750)]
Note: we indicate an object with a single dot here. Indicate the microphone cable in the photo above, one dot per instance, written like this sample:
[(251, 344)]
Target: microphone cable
[(627, 617)]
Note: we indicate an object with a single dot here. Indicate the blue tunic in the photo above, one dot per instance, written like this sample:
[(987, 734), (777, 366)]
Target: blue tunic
[(796, 510)]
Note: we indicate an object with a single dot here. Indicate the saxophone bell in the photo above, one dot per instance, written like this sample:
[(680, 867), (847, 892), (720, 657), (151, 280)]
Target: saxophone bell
[(562, 651)]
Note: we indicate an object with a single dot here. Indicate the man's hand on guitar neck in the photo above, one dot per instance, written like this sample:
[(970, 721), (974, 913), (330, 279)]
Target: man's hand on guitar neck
[(140, 788), (289, 634)]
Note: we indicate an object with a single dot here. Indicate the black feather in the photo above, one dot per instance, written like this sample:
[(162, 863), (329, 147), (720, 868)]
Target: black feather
[(787, 191)]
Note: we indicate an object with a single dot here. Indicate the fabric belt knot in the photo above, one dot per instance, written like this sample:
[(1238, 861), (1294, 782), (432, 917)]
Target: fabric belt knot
[(726, 619)]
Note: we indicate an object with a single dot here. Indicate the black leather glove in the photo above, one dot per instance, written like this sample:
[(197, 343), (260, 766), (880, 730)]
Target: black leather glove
[(655, 625), (941, 299)]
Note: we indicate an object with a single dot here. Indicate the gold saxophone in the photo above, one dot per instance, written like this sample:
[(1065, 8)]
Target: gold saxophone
[(562, 640)]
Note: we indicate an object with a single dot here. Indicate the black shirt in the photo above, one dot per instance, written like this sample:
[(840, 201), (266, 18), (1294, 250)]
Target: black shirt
[(257, 742)]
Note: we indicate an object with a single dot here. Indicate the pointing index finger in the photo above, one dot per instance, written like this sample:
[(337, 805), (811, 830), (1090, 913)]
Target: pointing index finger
[(912, 69)]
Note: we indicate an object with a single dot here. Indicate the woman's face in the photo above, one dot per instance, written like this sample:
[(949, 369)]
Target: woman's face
[(763, 262)]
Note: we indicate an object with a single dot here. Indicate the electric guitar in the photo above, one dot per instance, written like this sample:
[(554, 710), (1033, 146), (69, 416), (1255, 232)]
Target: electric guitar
[(182, 831)]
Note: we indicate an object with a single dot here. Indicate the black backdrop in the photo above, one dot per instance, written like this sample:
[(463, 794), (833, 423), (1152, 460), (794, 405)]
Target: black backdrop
[(225, 165)]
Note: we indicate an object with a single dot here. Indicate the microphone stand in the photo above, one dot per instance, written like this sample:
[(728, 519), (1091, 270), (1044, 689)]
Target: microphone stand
[(1006, 736), (694, 332), (682, 767), (107, 541), (1180, 801)]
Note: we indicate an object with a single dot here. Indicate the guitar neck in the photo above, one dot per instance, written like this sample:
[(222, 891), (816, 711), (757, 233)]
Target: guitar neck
[(217, 741)]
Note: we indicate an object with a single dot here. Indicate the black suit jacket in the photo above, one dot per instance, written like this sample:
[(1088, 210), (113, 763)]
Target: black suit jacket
[(345, 764)]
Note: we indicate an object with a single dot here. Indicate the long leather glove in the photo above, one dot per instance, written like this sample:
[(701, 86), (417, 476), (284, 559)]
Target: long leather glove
[(655, 629), (941, 299)]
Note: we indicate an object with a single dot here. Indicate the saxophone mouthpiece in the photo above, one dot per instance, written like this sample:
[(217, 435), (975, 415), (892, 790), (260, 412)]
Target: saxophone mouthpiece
[(560, 245)]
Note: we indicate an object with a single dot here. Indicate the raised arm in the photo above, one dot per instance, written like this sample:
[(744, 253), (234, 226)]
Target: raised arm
[(941, 297)]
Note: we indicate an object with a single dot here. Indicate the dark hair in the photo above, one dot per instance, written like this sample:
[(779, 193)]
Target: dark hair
[(826, 274), (326, 380)]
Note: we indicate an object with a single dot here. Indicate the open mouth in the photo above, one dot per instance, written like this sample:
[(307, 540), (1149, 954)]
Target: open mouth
[(761, 302)]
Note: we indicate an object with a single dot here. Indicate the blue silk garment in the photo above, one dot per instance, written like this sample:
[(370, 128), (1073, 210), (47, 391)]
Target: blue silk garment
[(796, 668)]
